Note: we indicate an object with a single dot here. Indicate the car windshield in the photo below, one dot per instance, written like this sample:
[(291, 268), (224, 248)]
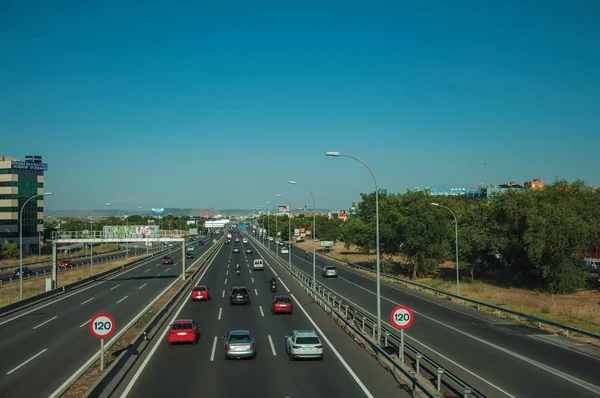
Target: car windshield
[(283, 300), (180, 326), (307, 340), (239, 338)]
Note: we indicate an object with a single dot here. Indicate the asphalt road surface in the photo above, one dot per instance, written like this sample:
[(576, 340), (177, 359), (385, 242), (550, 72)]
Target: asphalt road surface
[(499, 357), (42, 346), (202, 370)]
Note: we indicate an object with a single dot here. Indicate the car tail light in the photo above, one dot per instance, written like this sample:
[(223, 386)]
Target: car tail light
[(295, 347), (231, 295), (251, 346), (246, 295), (227, 348), (319, 346)]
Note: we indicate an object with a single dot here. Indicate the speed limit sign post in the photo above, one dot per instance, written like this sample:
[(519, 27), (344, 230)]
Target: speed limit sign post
[(102, 326), (401, 317)]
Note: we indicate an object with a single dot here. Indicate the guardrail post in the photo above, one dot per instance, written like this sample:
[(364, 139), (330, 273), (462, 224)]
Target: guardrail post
[(467, 392), (54, 268), (385, 341), (567, 332), (374, 331), (363, 323), (418, 364), (346, 311), (440, 372)]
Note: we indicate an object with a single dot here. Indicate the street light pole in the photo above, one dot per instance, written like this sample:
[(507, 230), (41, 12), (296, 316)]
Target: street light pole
[(314, 276), (21, 241), (456, 244), (268, 224), (378, 248), (289, 231)]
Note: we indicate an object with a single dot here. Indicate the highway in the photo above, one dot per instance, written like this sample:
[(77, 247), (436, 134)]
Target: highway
[(202, 370), (499, 357), (42, 346)]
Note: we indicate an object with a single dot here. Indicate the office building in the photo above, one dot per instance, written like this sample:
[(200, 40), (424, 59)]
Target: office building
[(19, 181)]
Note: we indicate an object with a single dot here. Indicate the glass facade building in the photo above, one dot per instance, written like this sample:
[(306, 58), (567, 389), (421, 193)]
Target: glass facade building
[(19, 181)]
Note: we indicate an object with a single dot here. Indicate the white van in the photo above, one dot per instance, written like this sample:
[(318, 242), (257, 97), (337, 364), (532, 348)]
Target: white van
[(258, 265), (190, 248)]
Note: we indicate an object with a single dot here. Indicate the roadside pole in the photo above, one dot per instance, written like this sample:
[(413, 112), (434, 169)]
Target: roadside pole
[(401, 317)]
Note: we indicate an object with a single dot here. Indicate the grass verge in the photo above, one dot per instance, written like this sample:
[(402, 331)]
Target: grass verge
[(580, 310), (98, 249), (9, 292)]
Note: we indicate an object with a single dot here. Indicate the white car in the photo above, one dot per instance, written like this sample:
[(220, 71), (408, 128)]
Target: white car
[(258, 265), (284, 250), (303, 344), (245, 241)]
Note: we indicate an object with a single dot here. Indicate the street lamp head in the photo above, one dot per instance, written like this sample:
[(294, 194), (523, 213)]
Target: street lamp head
[(435, 204), (47, 193), (108, 204), (292, 182), (334, 154), (267, 202), (278, 195)]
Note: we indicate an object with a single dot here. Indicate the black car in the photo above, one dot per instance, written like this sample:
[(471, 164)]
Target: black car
[(236, 249), (201, 243), (189, 255), (239, 295), (26, 272)]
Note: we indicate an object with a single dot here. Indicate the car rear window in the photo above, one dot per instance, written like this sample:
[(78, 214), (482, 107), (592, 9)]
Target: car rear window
[(239, 291), (307, 340), (179, 326), (283, 300), (330, 268), (239, 338), (199, 289)]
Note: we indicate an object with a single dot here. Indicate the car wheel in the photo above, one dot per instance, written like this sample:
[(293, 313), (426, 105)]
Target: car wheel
[(291, 357), (320, 358)]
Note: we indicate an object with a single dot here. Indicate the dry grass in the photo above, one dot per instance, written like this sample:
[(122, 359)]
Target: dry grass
[(98, 249), (9, 292), (580, 310)]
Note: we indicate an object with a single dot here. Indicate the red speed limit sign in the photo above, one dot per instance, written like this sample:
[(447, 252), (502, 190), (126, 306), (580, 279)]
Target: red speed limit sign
[(102, 326), (402, 317)]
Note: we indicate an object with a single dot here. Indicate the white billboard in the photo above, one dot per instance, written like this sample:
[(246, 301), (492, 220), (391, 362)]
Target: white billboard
[(130, 231), (216, 223)]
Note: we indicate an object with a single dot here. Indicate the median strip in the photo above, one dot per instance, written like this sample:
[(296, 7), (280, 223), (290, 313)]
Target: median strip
[(91, 373)]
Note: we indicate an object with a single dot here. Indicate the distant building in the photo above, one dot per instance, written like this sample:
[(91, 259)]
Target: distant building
[(19, 181), (334, 214), (535, 184)]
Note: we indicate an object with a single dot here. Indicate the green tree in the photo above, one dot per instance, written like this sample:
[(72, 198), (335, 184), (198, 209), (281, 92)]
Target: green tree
[(10, 250)]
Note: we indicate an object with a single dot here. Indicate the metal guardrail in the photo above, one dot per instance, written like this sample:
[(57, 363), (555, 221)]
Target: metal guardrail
[(418, 363), (86, 235), (516, 314), (103, 258)]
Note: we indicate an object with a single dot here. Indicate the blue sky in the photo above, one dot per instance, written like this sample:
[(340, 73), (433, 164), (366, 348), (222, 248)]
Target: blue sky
[(220, 103)]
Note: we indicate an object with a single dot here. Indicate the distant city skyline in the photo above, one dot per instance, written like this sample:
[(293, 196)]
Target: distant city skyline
[(196, 106)]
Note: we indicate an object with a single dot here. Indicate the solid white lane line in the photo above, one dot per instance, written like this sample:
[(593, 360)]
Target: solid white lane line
[(87, 301), (142, 286), (114, 287), (214, 349), (220, 312), (86, 323), (256, 292), (334, 350), (122, 299), (272, 346), (160, 338), (27, 361), (43, 323), (261, 311)]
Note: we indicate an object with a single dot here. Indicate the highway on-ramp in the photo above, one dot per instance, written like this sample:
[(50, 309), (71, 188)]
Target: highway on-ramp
[(499, 357), (42, 346), (202, 370)]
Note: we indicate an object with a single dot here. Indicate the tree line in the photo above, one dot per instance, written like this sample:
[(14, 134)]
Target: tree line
[(535, 238)]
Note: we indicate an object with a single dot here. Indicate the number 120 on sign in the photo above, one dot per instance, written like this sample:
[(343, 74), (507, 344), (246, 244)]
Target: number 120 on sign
[(401, 317)]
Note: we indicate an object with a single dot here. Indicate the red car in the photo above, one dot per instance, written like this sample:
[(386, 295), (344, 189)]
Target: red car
[(65, 263), (183, 331), (282, 304), (167, 260), (200, 293)]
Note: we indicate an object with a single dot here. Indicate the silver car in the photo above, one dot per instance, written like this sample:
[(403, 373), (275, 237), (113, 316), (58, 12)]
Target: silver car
[(303, 344), (240, 344), (329, 271)]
